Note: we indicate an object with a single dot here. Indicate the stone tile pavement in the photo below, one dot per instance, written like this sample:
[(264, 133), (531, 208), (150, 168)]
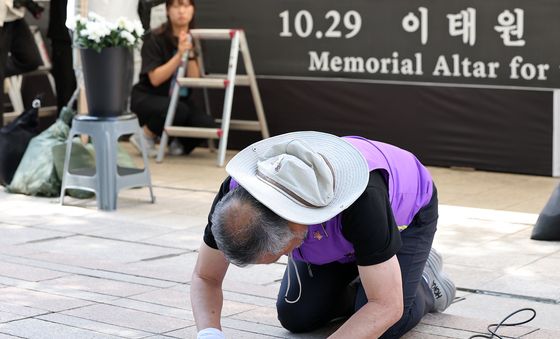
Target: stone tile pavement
[(75, 272)]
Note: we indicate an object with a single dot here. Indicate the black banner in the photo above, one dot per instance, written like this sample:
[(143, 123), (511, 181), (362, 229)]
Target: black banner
[(479, 42), (329, 84), (486, 129)]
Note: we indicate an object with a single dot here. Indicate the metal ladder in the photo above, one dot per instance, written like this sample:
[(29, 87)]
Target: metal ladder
[(226, 81)]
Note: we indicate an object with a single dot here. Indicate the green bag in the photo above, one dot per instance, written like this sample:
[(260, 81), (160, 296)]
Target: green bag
[(36, 174), (80, 157), (40, 170), (83, 156)]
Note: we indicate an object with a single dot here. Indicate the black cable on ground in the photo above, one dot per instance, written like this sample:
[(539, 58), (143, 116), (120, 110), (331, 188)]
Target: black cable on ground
[(492, 332)]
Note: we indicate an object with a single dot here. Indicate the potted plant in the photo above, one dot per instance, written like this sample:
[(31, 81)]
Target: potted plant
[(106, 54)]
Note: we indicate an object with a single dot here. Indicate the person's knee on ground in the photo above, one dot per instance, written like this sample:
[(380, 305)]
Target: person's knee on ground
[(306, 318), (297, 319)]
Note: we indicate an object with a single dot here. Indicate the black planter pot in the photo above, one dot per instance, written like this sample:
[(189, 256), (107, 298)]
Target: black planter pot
[(108, 80)]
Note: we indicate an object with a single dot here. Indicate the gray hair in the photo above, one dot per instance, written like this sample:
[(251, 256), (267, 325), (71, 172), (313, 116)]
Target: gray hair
[(245, 229)]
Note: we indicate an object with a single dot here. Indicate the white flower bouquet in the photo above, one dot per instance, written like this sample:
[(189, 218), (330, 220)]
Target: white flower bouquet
[(95, 32)]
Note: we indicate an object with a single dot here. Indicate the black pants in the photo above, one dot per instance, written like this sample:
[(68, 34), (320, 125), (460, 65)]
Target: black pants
[(16, 39), (327, 295), (152, 110), (63, 71)]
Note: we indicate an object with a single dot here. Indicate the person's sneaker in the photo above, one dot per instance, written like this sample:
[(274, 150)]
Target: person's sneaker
[(136, 141), (443, 289), (175, 147)]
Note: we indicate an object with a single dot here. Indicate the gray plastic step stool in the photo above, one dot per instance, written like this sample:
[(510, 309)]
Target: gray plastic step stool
[(107, 179)]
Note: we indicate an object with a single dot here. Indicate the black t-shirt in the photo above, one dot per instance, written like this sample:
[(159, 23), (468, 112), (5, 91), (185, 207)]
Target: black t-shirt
[(158, 48), (368, 223)]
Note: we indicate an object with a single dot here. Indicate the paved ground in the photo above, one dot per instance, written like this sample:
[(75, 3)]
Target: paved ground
[(75, 272)]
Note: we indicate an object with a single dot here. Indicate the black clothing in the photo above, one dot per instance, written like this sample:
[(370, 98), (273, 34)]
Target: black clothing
[(16, 38), (158, 48), (369, 224), (62, 60), (57, 29), (327, 294), (63, 72), (152, 109), (150, 102)]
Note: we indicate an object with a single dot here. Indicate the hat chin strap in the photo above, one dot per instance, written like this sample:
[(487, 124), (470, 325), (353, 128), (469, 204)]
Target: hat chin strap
[(291, 259)]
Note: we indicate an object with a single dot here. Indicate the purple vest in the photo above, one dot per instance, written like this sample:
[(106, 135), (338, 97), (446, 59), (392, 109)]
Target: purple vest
[(410, 189)]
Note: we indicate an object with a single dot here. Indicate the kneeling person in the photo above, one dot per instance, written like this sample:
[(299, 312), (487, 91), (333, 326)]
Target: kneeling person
[(357, 219)]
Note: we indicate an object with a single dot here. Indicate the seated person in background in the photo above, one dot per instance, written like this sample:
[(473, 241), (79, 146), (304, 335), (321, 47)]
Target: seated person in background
[(161, 56)]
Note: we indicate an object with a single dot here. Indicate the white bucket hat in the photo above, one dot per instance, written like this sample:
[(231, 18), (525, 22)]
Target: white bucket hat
[(304, 177)]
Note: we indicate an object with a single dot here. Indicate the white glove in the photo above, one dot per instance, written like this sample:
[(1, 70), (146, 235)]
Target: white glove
[(210, 333)]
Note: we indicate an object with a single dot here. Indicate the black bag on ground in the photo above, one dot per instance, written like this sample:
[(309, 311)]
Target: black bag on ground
[(36, 173), (14, 139), (547, 226), (41, 168)]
